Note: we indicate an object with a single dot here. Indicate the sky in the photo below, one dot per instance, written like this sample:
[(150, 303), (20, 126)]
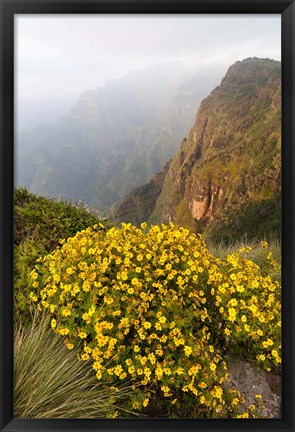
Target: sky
[(61, 55)]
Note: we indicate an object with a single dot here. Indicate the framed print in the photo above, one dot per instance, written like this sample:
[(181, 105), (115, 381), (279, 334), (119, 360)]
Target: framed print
[(147, 207)]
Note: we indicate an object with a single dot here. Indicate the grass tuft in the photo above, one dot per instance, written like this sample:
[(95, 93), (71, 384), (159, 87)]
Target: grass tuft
[(49, 382)]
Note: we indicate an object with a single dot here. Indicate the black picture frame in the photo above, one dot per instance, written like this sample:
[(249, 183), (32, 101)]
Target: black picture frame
[(8, 8)]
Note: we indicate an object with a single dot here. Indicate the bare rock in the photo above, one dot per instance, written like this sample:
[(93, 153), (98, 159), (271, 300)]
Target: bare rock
[(251, 381)]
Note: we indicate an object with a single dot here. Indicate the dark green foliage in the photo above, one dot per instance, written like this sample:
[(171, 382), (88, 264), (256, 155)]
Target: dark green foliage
[(39, 225), (46, 219)]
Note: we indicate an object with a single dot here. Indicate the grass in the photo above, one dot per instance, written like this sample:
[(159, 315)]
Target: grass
[(257, 254), (49, 381)]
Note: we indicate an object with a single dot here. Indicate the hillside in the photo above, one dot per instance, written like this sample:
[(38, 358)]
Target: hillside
[(224, 181), (115, 138), (39, 226)]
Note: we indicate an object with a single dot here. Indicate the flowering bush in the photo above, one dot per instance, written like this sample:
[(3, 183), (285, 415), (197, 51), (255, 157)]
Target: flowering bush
[(247, 307), (154, 307), (39, 224)]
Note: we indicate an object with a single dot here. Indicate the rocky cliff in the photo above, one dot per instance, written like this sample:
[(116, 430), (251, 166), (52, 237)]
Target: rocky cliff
[(224, 180)]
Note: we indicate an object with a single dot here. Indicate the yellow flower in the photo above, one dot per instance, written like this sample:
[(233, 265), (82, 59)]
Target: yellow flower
[(166, 390), (232, 314), (82, 335), (53, 323), (261, 357), (187, 350), (63, 331), (33, 297), (70, 346), (69, 270), (85, 356), (131, 369), (159, 372), (118, 370), (194, 369), (66, 312), (212, 366), (147, 325)]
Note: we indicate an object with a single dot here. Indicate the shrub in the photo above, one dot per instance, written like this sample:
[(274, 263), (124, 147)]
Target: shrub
[(246, 300), (39, 224), (146, 305)]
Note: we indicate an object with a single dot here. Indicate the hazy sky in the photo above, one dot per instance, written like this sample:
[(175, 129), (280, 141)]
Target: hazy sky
[(59, 55)]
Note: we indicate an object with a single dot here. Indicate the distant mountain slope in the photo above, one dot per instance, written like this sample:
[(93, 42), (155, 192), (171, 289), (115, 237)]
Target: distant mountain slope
[(225, 178), (115, 138), (138, 205)]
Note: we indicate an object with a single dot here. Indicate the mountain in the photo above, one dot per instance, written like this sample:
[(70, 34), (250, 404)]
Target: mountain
[(115, 138), (224, 181), (141, 201)]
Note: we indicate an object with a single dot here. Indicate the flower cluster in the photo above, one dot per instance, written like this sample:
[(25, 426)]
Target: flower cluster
[(247, 307), (149, 306)]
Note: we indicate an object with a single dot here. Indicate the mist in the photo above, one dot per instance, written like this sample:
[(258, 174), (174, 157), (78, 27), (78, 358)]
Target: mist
[(57, 57)]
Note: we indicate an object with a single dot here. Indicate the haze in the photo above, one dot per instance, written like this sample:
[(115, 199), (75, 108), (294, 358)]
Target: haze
[(57, 57)]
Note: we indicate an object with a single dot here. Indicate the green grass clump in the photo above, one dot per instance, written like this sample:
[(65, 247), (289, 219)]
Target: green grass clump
[(49, 382)]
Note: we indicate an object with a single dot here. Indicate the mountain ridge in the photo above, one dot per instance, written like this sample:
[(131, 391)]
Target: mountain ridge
[(228, 169)]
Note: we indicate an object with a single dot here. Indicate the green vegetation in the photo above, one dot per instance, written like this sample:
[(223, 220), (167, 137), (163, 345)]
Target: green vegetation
[(162, 273), (153, 307), (122, 321), (224, 181), (39, 225), (49, 381)]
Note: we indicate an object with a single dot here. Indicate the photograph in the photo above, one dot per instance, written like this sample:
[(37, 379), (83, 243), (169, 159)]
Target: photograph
[(147, 190), (147, 216)]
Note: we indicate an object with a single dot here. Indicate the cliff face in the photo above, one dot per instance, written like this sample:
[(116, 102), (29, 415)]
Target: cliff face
[(225, 178), (138, 205)]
